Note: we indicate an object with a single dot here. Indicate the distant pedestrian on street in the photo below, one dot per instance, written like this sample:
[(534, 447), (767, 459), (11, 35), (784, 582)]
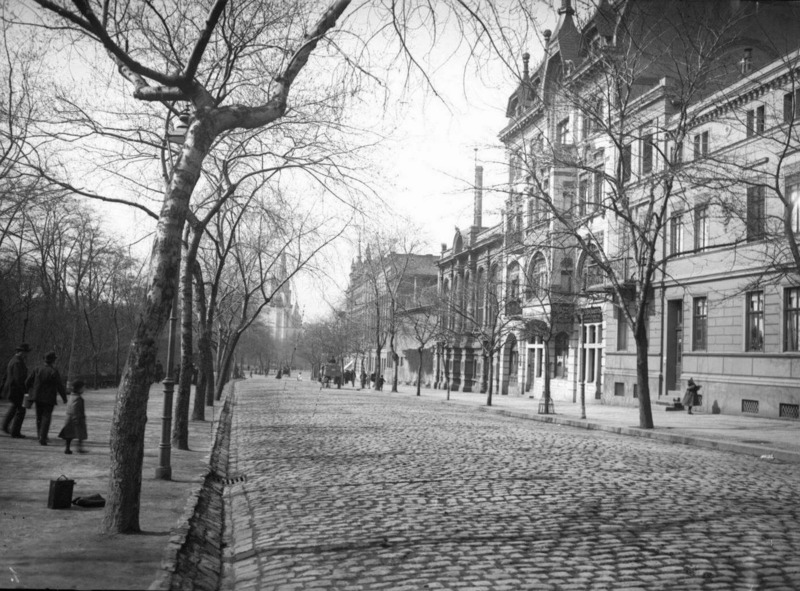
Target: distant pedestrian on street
[(44, 386), (75, 421), (380, 383), (14, 390), (363, 379), (689, 395)]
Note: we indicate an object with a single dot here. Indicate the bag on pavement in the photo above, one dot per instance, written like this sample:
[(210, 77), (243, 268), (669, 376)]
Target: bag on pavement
[(91, 501)]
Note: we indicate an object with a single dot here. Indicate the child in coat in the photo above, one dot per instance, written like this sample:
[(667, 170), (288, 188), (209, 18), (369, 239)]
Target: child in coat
[(75, 422)]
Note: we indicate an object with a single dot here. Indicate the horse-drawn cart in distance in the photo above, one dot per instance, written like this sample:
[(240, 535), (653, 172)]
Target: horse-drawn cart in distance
[(331, 372)]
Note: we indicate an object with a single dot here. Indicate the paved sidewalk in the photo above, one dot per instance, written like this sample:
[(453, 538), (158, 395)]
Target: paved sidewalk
[(776, 439), (64, 549)]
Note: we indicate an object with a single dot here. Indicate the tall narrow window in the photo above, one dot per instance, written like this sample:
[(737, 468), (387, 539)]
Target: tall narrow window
[(756, 215), (584, 190), (793, 197), (701, 145), (676, 233), (791, 319), (754, 339), (756, 121), (647, 153), (597, 190), (790, 102), (563, 132), (622, 331), (700, 324), (626, 162), (701, 227)]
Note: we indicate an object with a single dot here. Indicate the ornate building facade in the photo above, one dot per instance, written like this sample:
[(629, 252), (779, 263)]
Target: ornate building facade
[(654, 161)]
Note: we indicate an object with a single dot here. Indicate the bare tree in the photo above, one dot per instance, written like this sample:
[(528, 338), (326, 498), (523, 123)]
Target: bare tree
[(421, 321)]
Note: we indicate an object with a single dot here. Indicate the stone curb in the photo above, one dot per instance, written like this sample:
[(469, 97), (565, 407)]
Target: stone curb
[(179, 535), (729, 446)]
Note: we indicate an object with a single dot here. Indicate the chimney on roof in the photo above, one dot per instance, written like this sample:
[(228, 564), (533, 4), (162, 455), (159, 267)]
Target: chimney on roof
[(566, 8), (526, 57), (478, 216), (746, 64)]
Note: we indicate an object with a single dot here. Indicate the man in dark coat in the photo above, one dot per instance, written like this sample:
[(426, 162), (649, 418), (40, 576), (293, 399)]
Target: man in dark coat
[(14, 390), (44, 385)]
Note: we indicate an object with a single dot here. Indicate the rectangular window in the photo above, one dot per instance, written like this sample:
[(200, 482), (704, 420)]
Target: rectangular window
[(626, 162), (647, 153), (597, 190), (622, 331), (756, 121), (700, 324), (756, 214), (583, 195), (754, 321), (676, 233), (563, 132), (701, 227), (677, 153), (793, 197), (701, 145), (791, 319), (790, 102)]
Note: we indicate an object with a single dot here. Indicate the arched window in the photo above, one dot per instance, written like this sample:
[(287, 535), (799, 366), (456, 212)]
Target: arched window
[(513, 281), (537, 277), (566, 275), (591, 273)]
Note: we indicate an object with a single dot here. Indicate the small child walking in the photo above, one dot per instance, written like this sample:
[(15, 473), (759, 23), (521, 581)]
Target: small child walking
[(75, 422)]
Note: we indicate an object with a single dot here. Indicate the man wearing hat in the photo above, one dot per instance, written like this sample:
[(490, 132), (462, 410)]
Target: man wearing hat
[(44, 385), (14, 390)]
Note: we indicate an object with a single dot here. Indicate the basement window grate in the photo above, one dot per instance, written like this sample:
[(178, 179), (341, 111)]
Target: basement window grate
[(619, 388), (789, 411), (750, 406)]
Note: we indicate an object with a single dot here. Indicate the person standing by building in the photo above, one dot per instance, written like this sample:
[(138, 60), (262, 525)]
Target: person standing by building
[(44, 386), (75, 421), (14, 390)]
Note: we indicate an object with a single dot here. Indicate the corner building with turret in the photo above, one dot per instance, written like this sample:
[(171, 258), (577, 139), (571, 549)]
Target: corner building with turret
[(650, 218)]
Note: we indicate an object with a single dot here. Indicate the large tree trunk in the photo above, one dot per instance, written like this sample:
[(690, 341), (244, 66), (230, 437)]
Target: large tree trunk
[(226, 364), (180, 424), (642, 373), (546, 361), (395, 359), (419, 370), (378, 353), (201, 397), (491, 379), (130, 413)]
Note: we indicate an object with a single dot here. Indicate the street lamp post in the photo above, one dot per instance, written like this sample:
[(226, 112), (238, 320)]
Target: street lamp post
[(164, 470), (175, 136), (582, 361)]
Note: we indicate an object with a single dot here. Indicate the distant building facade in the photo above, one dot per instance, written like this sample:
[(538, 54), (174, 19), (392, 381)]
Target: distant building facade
[(369, 312)]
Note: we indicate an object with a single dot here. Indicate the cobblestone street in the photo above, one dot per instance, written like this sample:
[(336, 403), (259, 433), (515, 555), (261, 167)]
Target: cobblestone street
[(341, 489)]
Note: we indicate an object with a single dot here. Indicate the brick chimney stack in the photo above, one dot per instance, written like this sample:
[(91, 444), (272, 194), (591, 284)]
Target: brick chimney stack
[(478, 217), (566, 8)]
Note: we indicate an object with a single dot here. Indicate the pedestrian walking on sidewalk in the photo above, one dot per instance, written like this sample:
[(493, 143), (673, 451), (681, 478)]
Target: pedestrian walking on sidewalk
[(14, 390), (363, 379), (44, 386), (689, 395), (75, 422)]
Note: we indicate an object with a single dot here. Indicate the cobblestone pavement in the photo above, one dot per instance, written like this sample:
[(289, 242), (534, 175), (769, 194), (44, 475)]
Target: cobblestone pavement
[(360, 490)]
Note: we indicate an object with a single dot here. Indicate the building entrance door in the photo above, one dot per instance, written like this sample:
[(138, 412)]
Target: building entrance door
[(674, 343)]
